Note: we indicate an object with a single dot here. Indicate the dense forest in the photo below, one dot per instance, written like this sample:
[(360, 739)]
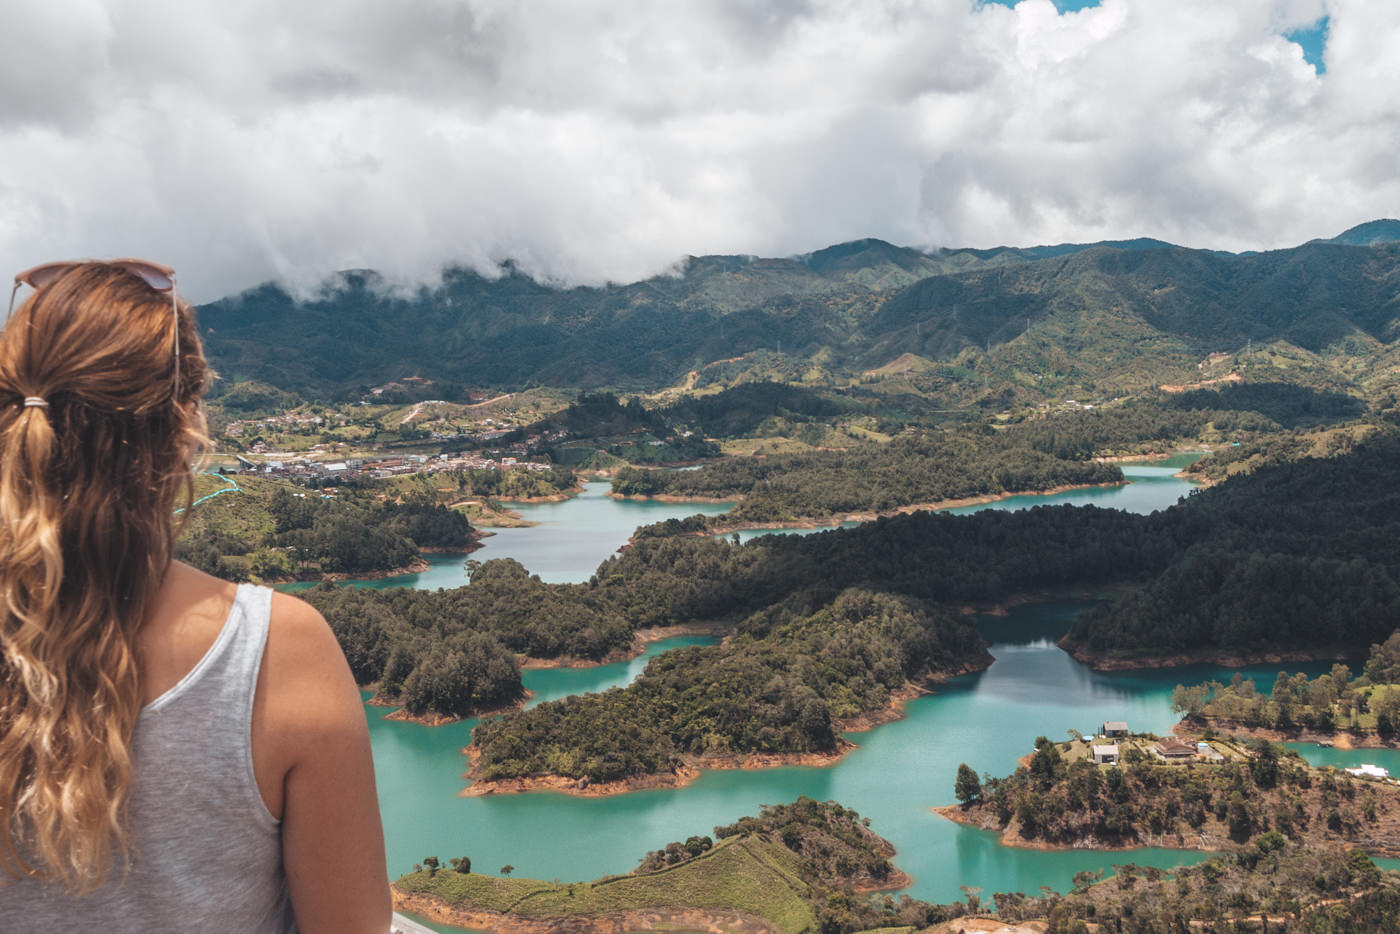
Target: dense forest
[(746, 409), (454, 652), (1303, 535), (1286, 405), (1298, 555), (776, 686)]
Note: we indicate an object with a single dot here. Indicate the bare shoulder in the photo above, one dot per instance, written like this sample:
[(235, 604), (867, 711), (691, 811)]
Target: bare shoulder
[(306, 679), (311, 751), (301, 631)]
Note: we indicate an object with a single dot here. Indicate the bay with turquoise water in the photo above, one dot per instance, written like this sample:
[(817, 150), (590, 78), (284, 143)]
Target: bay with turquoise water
[(899, 771), (566, 545)]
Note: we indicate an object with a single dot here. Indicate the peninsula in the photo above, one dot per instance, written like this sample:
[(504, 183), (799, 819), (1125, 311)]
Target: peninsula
[(791, 869), (1120, 793), (1334, 709)]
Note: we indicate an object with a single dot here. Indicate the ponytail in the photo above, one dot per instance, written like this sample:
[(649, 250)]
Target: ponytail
[(94, 455), (31, 555)]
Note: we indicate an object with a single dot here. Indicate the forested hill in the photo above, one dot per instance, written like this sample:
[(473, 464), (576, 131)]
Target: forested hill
[(1116, 315)]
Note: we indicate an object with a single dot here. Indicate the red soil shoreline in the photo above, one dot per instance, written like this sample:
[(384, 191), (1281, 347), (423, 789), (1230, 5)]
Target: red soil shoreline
[(955, 813), (1222, 657), (715, 921), (1341, 739), (838, 519)]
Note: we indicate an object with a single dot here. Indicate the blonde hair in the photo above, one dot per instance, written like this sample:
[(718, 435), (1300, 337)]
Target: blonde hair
[(96, 440)]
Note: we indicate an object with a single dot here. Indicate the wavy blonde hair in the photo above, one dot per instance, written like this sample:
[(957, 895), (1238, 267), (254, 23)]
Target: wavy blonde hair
[(88, 489)]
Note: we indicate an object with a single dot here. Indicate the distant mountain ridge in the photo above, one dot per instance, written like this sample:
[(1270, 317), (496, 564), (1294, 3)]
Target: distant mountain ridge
[(1386, 230), (1112, 315)]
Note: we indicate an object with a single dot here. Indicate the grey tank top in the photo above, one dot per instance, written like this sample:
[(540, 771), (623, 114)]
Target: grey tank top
[(206, 852)]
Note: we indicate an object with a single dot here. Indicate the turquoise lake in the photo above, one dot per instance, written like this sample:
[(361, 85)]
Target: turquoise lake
[(896, 774), (575, 535)]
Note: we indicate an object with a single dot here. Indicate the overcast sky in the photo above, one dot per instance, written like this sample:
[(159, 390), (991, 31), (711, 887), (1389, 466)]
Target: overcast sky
[(597, 140)]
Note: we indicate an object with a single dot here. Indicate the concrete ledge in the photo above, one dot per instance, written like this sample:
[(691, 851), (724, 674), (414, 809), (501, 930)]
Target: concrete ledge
[(402, 925)]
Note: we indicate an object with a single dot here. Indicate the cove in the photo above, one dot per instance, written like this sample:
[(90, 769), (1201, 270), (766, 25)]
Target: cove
[(565, 546)]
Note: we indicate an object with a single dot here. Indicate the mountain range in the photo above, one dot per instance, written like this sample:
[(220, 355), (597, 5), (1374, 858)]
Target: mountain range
[(1007, 322)]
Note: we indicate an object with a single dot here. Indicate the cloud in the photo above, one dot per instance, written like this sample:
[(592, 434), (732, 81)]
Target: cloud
[(597, 140)]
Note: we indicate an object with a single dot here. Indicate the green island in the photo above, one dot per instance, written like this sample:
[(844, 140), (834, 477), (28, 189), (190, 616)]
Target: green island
[(1142, 790), (780, 689), (918, 469), (817, 867), (453, 653), (1334, 708), (1299, 560)]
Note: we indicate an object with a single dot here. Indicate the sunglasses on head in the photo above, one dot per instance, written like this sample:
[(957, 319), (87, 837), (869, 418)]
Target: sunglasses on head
[(156, 275)]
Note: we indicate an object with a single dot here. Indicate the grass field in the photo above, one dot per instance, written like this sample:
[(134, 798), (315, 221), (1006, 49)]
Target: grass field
[(748, 874)]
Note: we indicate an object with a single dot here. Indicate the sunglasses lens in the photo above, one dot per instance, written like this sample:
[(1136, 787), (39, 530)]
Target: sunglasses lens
[(40, 276), (157, 279)]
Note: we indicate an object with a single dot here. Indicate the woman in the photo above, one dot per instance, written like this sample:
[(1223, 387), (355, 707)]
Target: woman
[(176, 753)]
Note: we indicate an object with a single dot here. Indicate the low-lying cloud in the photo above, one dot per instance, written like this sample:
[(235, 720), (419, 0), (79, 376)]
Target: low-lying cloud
[(595, 140)]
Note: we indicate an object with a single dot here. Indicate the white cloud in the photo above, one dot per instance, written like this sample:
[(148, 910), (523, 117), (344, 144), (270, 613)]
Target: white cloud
[(602, 139)]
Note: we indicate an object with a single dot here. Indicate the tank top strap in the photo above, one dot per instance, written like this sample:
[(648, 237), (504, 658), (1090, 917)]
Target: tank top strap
[(227, 674)]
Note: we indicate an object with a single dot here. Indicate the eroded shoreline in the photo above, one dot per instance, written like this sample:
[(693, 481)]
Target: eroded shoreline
[(1340, 739), (1206, 843), (837, 519), (1224, 658), (712, 920)]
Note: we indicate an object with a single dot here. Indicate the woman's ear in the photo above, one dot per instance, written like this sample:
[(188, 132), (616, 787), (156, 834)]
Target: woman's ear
[(196, 431)]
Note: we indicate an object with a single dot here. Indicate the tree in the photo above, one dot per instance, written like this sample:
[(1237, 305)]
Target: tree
[(507, 869), (1046, 764), (1383, 667), (1084, 880), (967, 788), (462, 864), (1341, 676), (1190, 701)]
